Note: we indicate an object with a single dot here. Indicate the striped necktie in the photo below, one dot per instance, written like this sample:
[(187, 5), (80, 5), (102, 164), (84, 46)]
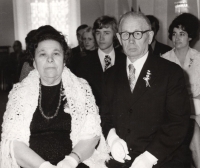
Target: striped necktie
[(107, 61), (131, 77)]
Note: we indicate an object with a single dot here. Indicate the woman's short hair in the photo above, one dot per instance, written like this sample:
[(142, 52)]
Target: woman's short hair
[(46, 32), (187, 22)]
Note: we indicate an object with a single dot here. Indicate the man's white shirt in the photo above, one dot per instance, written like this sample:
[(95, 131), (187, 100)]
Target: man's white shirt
[(102, 55)]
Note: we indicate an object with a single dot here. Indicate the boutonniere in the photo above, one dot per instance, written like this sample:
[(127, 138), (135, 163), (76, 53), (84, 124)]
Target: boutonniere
[(147, 78), (191, 61)]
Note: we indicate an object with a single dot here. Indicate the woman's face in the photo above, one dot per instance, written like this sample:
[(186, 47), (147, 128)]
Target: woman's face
[(88, 41), (49, 61), (180, 38)]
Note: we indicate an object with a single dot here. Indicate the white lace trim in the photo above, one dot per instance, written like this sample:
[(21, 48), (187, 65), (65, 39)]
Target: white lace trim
[(23, 100)]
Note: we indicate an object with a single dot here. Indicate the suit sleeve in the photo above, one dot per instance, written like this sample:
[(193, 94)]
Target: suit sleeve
[(174, 129), (82, 70)]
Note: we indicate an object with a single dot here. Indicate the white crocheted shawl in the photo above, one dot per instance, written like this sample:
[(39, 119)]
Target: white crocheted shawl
[(23, 101)]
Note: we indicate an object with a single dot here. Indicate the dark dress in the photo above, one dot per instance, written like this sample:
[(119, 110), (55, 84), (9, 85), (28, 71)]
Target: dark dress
[(50, 138)]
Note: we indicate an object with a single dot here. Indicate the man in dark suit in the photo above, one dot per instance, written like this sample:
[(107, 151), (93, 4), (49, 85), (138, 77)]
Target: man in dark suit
[(16, 61), (76, 52), (93, 66), (158, 48), (145, 107)]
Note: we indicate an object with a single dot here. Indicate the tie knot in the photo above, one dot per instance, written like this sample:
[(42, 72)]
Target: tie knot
[(131, 68), (107, 59)]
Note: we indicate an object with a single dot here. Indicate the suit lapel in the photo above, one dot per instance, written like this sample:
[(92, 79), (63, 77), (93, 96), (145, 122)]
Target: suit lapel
[(119, 57), (97, 63), (123, 88), (156, 47), (141, 85)]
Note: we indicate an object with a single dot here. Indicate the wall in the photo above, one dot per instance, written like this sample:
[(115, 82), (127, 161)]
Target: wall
[(111, 8), (193, 8), (158, 8), (91, 10), (125, 6), (171, 16), (116, 8), (160, 11), (6, 23), (147, 7), (165, 12)]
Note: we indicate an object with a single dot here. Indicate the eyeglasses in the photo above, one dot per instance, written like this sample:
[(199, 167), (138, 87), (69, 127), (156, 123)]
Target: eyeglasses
[(136, 34)]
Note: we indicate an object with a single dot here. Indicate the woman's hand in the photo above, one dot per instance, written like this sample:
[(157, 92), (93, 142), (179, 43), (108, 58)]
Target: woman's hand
[(47, 165), (68, 162), (25, 156), (85, 148), (197, 97)]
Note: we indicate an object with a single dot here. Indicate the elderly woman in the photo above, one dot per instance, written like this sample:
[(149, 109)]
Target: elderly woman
[(182, 31), (51, 117)]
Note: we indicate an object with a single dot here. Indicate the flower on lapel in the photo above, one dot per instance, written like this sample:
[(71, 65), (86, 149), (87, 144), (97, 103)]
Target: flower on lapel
[(147, 78), (191, 61)]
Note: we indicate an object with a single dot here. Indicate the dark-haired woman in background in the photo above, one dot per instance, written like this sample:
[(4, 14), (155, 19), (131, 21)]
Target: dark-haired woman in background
[(51, 116), (182, 31)]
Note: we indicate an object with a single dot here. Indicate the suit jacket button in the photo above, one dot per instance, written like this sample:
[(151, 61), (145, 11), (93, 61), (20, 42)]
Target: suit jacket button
[(130, 149), (128, 130), (130, 111)]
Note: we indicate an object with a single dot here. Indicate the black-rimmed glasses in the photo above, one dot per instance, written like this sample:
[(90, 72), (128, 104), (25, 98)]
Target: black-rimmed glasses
[(136, 34)]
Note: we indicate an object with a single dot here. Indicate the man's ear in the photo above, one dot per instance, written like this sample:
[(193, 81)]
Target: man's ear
[(119, 38), (151, 34), (34, 65)]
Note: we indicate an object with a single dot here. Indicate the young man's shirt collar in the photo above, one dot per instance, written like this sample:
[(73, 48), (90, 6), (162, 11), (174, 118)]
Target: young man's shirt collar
[(102, 56)]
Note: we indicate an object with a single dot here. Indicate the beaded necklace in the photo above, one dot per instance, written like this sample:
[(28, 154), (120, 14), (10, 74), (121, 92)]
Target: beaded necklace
[(40, 103)]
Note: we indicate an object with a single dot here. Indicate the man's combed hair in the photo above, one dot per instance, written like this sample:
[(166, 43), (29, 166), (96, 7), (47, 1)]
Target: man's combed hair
[(154, 20), (105, 22), (83, 26), (136, 15)]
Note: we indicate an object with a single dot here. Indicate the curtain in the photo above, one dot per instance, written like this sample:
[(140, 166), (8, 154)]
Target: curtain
[(198, 6), (64, 15)]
